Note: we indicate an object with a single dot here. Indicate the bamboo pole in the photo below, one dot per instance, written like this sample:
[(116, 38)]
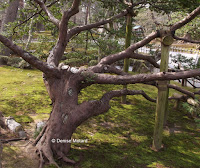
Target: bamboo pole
[(163, 93), (127, 44)]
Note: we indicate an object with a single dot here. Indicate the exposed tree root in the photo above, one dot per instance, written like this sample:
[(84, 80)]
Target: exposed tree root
[(41, 160), (64, 158), (40, 135), (48, 155)]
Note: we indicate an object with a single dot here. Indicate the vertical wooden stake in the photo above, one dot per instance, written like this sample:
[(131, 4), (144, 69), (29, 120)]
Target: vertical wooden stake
[(127, 44), (163, 92)]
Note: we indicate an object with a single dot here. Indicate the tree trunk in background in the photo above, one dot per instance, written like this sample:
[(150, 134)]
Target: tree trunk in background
[(127, 44), (87, 14), (10, 16)]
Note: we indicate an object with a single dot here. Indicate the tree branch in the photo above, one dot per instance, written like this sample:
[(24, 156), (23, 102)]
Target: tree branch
[(143, 42), (74, 8), (10, 140), (118, 93), (100, 68), (96, 107), (182, 90), (49, 71), (33, 16), (186, 20), (142, 78), (127, 54), (78, 29), (186, 40), (49, 14), (63, 38)]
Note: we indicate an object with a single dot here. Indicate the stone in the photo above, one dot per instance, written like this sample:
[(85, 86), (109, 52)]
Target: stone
[(13, 125), (22, 134), (192, 102), (40, 125)]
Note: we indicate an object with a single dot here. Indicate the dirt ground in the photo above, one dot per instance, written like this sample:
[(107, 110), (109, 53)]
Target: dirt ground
[(18, 154)]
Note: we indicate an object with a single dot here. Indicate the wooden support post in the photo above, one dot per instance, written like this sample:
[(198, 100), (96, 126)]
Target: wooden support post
[(127, 44), (163, 93)]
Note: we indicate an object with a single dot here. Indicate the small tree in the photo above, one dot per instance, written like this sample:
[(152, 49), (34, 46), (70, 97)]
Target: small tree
[(65, 83)]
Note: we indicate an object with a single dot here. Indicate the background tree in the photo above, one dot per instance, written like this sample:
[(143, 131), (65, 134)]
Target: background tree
[(9, 17), (64, 83)]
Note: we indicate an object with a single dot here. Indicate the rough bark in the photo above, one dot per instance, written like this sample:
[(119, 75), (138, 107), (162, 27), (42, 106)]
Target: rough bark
[(65, 117)]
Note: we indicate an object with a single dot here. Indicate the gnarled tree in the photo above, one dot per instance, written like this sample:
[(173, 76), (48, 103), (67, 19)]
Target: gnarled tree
[(65, 83)]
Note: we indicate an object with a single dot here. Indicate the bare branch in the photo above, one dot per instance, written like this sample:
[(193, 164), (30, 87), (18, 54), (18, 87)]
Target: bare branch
[(186, 40), (186, 20), (142, 78), (11, 140), (117, 93), (127, 54), (145, 41), (96, 107), (49, 14), (29, 57), (100, 68), (182, 90)]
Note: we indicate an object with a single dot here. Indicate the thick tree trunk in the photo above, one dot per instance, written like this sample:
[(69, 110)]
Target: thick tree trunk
[(60, 127), (61, 123), (65, 117)]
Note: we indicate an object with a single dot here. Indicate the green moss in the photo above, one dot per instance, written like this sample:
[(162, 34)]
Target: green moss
[(122, 137), (22, 93)]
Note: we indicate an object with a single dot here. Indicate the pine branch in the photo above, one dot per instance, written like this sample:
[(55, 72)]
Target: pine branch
[(49, 14)]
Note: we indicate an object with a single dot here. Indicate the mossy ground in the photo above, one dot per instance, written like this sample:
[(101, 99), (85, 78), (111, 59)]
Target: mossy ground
[(120, 138)]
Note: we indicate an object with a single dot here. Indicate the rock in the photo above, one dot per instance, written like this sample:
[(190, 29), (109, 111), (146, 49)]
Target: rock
[(192, 102), (13, 125), (22, 134), (40, 125)]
